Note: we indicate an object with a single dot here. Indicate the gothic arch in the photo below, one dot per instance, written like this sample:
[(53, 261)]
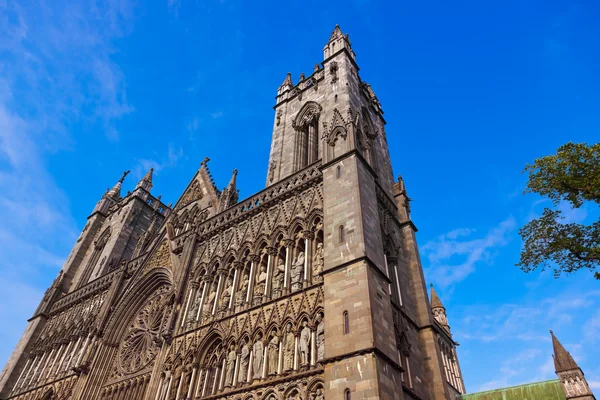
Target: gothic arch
[(306, 125), (134, 301)]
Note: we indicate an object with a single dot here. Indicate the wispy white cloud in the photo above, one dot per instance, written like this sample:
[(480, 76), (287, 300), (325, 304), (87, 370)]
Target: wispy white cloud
[(510, 369), (56, 71), (453, 256), (174, 154)]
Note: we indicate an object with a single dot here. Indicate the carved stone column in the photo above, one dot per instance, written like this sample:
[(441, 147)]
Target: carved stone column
[(289, 245), (313, 345), (206, 282), (308, 252), (255, 258), (272, 252), (194, 285), (221, 274)]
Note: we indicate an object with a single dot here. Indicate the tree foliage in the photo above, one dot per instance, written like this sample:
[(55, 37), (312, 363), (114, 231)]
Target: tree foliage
[(571, 175)]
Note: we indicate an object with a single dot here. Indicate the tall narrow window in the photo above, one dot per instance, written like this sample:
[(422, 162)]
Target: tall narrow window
[(338, 172), (346, 323), (342, 234), (306, 125), (335, 99), (347, 394)]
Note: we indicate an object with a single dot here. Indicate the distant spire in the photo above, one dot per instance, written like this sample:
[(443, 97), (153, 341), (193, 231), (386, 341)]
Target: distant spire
[(336, 34), (563, 361), (435, 299), (229, 196), (146, 182), (115, 192)]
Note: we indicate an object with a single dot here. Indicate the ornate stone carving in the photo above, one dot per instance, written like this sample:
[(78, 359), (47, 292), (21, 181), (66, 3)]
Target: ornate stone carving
[(318, 263), (142, 340), (244, 362), (304, 345), (273, 355), (193, 193), (289, 346), (230, 366), (278, 276), (298, 272), (257, 350), (320, 338)]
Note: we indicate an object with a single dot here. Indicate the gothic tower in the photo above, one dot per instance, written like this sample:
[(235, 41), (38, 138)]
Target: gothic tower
[(309, 289), (570, 375)]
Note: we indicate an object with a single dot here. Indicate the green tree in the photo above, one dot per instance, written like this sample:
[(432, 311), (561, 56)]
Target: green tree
[(571, 175)]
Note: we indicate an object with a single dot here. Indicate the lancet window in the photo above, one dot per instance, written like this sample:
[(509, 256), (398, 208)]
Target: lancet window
[(306, 145), (98, 248)]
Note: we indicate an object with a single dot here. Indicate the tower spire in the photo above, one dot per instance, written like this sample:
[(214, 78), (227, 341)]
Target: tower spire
[(563, 361), (115, 192), (570, 375), (337, 42), (438, 309), (146, 182), (229, 197)]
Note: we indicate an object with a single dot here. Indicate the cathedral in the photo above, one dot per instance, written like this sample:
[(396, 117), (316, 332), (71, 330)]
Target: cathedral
[(310, 289)]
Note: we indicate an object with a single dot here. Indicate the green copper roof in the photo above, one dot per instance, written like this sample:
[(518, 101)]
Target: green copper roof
[(549, 390)]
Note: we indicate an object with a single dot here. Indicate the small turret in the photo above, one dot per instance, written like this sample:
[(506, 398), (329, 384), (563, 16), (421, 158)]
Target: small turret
[(111, 196), (438, 310), (287, 84), (570, 375), (229, 196), (337, 42), (146, 182)]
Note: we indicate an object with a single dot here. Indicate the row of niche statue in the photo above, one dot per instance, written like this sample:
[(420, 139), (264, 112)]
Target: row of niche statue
[(318, 394), (288, 341), (297, 274)]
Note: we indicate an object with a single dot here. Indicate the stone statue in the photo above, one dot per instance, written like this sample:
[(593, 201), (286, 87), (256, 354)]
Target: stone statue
[(258, 349), (240, 296), (318, 395), (320, 338), (261, 280), (289, 345), (304, 345), (230, 367), (278, 276), (224, 302), (298, 272), (210, 300), (318, 263), (273, 355), (244, 362), (193, 312)]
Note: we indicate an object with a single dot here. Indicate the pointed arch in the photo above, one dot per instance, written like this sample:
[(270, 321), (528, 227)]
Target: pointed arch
[(306, 125)]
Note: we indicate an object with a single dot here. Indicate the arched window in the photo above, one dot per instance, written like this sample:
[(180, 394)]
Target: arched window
[(342, 234), (335, 99), (306, 125), (346, 323), (339, 172), (347, 394)]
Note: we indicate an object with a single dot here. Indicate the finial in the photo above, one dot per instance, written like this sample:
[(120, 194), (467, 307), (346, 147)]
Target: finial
[(124, 175), (205, 161)]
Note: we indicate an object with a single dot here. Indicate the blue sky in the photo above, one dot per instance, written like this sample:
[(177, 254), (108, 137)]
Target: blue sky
[(471, 91)]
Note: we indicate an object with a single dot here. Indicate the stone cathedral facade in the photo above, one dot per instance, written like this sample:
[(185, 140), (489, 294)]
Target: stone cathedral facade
[(310, 289)]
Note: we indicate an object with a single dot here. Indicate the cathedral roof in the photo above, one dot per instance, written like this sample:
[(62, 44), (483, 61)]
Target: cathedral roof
[(563, 361), (435, 300)]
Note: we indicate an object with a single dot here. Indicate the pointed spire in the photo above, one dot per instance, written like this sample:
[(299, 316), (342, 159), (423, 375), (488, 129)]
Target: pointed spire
[(287, 83), (336, 34), (563, 361), (115, 192), (435, 299), (146, 182), (229, 196)]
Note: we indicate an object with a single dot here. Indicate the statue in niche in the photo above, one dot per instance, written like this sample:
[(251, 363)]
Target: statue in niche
[(244, 362), (230, 366), (278, 276), (258, 350), (240, 296), (273, 355), (259, 288), (298, 272), (318, 395), (226, 296), (289, 346), (304, 345), (320, 338), (318, 263), (193, 312), (210, 300), (294, 396)]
